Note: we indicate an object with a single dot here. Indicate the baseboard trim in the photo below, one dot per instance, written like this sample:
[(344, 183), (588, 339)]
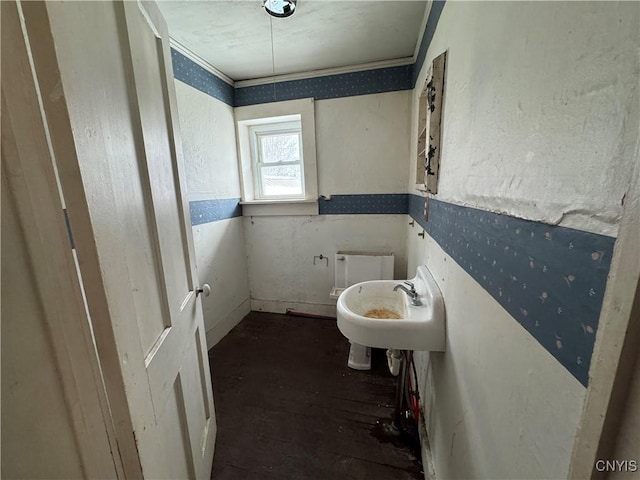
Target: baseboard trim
[(224, 326), (279, 306), (428, 467)]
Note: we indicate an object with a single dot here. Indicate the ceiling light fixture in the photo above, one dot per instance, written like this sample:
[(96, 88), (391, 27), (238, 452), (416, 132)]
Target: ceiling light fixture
[(280, 8)]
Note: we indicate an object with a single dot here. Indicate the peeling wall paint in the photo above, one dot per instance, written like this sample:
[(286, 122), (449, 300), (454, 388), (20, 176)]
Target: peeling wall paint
[(541, 106), (540, 122)]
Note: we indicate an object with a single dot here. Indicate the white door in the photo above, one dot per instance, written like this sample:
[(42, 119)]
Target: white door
[(176, 360), (104, 70)]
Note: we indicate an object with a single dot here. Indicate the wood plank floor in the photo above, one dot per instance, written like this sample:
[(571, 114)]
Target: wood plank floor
[(288, 407)]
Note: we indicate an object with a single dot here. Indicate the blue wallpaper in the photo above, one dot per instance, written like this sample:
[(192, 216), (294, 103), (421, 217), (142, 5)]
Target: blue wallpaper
[(551, 279), (365, 82), (206, 211), (385, 203), (189, 72)]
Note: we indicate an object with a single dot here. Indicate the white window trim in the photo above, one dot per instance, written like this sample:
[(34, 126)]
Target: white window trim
[(252, 115), (255, 132)]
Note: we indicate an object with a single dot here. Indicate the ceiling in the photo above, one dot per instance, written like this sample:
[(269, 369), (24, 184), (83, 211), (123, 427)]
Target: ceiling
[(235, 35)]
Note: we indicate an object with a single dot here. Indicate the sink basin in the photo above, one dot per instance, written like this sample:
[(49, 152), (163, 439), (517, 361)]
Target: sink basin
[(405, 326)]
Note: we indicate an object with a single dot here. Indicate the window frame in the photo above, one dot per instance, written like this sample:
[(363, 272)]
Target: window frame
[(302, 110), (271, 129)]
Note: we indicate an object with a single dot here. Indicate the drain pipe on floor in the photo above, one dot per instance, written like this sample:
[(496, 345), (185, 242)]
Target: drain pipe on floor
[(400, 387), (295, 313)]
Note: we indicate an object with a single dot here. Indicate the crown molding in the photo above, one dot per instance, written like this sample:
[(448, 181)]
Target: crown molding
[(396, 62), (191, 55)]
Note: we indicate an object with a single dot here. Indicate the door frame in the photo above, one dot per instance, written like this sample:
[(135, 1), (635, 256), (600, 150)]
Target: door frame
[(33, 136), (72, 194), (63, 175), (615, 351)]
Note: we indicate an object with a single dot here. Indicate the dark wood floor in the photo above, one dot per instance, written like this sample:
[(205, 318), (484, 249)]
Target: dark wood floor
[(288, 407)]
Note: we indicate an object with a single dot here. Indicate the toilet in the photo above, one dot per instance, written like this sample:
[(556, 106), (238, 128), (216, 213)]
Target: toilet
[(354, 267)]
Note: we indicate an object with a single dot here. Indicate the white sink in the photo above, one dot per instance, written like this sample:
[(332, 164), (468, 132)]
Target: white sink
[(417, 328)]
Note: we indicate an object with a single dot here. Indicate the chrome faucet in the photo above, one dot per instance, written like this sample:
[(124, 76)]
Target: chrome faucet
[(411, 291)]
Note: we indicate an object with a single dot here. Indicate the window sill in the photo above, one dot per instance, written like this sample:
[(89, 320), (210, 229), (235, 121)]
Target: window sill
[(258, 208)]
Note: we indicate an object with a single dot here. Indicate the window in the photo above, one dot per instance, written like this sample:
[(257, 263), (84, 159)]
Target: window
[(277, 159)]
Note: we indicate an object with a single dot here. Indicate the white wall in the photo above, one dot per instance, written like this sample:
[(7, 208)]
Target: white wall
[(209, 145), (281, 251), (208, 141), (361, 144), (541, 108), (540, 122)]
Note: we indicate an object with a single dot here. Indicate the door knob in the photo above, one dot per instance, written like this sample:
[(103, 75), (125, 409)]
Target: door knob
[(205, 290)]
